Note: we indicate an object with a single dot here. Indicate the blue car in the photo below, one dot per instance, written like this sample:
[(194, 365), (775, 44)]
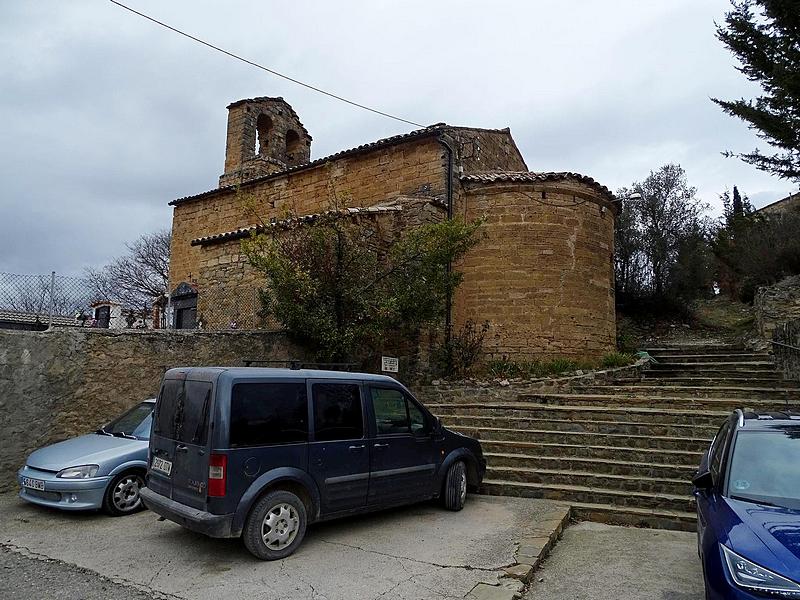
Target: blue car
[(748, 508), (103, 470)]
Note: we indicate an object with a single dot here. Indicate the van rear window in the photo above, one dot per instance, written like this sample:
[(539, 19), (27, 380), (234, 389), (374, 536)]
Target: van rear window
[(266, 414), (182, 411)]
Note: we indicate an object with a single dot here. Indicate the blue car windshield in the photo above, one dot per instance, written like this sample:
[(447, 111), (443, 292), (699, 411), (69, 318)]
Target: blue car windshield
[(134, 423), (765, 467)]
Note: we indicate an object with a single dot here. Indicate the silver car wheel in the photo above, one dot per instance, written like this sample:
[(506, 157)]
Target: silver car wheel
[(463, 486), (280, 526), (126, 493)]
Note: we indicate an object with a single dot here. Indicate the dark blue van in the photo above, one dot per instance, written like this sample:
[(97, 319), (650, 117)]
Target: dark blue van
[(260, 453)]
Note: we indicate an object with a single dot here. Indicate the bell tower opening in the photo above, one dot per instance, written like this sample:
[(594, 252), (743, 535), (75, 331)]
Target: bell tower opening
[(263, 130)]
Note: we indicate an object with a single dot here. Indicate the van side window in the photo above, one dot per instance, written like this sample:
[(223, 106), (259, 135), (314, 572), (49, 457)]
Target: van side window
[(395, 413), (337, 412), (266, 414)]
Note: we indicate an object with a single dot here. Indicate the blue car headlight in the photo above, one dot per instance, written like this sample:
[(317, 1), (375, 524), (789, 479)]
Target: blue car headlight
[(749, 575), (80, 472)]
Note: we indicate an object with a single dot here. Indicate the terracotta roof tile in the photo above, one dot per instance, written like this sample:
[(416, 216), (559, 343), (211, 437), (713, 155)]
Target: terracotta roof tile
[(389, 141), (244, 232), (530, 176)]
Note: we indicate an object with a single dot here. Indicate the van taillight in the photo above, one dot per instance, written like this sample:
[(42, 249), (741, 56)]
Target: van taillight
[(217, 476)]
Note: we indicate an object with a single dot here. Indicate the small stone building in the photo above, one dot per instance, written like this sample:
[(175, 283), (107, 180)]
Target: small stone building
[(542, 276)]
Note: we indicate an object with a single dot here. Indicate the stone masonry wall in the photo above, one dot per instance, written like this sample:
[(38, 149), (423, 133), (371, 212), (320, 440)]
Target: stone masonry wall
[(227, 286), (415, 169), (61, 383), (776, 304), (543, 276), (787, 351)]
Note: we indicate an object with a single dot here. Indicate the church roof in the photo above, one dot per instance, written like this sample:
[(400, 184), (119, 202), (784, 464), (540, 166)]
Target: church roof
[(533, 177)]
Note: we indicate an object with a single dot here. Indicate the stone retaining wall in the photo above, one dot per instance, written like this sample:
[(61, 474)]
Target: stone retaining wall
[(508, 390), (61, 383), (776, 304), (788, 358)]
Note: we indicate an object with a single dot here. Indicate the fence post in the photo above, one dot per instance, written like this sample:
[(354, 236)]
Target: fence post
[(52, 299)]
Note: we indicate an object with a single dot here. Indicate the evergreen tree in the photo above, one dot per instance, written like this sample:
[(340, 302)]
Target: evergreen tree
[(765, 36)]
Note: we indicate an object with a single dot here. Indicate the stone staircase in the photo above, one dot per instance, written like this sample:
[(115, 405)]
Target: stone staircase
[(618, 453)]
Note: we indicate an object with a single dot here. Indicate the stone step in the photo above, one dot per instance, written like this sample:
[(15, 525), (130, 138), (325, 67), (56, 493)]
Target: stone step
[(647, 389), (654, 401), (622, 414), (687, 444), (589, 495), (695, 349), (686, 458), (635, 517), (597, 425), (704, 358), (678, 487), (711, 374), (592, 465), (765, 380), (714, 367)]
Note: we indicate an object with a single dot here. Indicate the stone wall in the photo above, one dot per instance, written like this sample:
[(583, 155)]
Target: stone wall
[(61, 383), (543, 276), (787, 348), (776, 304), (416, 168), (469, 392), (228, 287)]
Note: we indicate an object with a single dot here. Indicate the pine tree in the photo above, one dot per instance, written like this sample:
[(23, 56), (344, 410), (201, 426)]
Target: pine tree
[(765, 36)]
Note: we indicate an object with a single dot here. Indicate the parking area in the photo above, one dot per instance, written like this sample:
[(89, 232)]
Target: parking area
[(415, 552), (601, 562)]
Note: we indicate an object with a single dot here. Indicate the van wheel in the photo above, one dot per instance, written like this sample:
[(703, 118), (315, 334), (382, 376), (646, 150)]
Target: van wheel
[(275, 526), (455, 486), (122, 494)]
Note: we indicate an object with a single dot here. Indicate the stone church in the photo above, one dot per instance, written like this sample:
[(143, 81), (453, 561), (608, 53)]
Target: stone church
[(542, 276)]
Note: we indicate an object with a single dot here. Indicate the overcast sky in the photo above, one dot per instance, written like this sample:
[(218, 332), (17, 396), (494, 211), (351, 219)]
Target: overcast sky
[(105, 117)]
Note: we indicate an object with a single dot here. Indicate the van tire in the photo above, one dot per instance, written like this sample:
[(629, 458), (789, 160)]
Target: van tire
[(289, 514), (455, 486), (127, 500)]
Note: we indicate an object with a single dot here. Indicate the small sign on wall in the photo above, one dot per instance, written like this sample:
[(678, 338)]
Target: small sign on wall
[(390, 364)]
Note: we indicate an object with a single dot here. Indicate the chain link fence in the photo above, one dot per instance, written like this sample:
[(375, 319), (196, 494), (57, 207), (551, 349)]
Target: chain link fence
[(36, 302)]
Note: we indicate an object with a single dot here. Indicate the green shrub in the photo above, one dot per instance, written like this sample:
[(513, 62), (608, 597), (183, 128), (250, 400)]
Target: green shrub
[(617, 359)]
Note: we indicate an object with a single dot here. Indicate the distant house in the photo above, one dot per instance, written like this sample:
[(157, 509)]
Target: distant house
[(31, 321), (790, 203)]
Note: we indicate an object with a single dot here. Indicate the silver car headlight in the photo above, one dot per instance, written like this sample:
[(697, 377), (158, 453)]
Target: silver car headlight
[(81, 472), (751, 576)]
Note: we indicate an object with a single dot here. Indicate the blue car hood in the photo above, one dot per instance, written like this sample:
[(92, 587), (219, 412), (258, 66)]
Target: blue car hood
[(89, 449), (767, 535)]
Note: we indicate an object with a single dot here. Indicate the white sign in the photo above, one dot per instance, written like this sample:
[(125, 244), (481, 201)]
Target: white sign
[(390, 364)]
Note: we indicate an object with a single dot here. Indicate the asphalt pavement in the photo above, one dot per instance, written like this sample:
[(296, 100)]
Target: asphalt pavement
[(412, 553)]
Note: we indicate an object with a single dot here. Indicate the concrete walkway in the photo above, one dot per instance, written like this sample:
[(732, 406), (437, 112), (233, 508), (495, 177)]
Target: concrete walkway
[(601, 562), (413, 553)]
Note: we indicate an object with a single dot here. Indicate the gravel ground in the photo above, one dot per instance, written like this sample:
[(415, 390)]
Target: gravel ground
[(24, 578)]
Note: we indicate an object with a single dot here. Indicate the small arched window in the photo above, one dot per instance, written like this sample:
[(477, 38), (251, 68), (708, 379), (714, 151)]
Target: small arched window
[(263, 129), (292, 146)]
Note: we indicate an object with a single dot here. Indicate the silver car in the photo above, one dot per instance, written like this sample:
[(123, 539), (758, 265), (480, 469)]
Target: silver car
[(103, 470)]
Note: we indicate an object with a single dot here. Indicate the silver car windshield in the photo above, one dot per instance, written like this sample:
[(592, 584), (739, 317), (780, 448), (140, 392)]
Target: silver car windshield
[(135, 423), (765, 467)]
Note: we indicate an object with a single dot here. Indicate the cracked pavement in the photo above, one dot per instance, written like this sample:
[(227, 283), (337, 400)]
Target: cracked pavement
[(411, 553)]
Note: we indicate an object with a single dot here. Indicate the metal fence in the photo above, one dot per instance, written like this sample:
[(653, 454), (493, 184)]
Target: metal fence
[(36, 302)]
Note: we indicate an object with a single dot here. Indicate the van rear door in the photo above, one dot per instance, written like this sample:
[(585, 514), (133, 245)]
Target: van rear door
[(180, 442)]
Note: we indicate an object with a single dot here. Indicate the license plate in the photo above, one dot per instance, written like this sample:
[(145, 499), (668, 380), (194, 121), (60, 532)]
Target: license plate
[(34, 484), (159, 464)]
